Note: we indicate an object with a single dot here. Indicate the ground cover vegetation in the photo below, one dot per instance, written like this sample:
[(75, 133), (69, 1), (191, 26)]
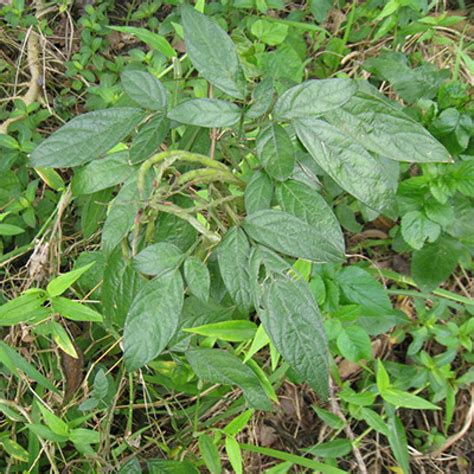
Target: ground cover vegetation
[(236, 236)]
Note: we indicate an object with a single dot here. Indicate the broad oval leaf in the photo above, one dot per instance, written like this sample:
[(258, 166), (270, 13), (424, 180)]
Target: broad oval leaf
[(197, 278), (347, 163), (212, 52), (292, 320), (208, 113), (258, 192), (158, 258), (313, 98), (86, 137), (233, 257), (307, 204), (380, 126), (218, 366), (102, 174), (276, 152), (153, 319), (287, 234), (145, 89)]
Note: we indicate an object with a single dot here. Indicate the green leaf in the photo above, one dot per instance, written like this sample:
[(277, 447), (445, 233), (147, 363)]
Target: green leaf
[(303, 202), (131, 467), (14, 449), (416, 228), (269, 32), (74, 311), (210, 454), (313, 98), (84, 436), (10, 229), (235, 426), (158, 258), (145, 89), (45, 433), (371, 120), (434, 263), (197, 278), (61, 338), (398, 442), (275, 151), (86, 137), (374, 420), (218, 366), (347, 163), (121, 285), (54, 423), (258, 192), (331, 449), (152, 319), (212, 52), (234, 454), (383, 380), (287, 234), (232, 331), (153, 40), (208, 113), (61, 283), (354, 344), (22, 309), (293, 323), (20, 363), (158, 466), (329, 418), (149, 137), (399, 398), (233, 257), (120, 217), (463, 177), (102, 174)]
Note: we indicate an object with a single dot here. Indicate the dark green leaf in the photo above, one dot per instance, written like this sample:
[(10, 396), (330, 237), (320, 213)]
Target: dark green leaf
[(197, 278), (217, 366), (145, 89), (86, 137), (332, 449), (208, 113), (347, 162), (275, 151), (398, 442), (258, 192), (210, 454), (152, 319), (233, 257), (313, 98), (287, 234), (149, 137), (303, 202), (102, 174), (158, 258), (212, 52), (293, 322)]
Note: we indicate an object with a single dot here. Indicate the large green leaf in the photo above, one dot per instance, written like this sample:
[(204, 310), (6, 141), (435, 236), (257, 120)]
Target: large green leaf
[(233, 257), (371, 120), (217, 366), (86, 137), (289, 235), (197, 278), (145, 89), (121, 285), (152, 319), (102, 174), (275, 151), (434, 263), (347, 162), (293, 322), (258, 192), (158, 258), (212, 52), (313, 98), (121, 216), (416, 228), (208, 113), (149, 137), (307, 204)]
